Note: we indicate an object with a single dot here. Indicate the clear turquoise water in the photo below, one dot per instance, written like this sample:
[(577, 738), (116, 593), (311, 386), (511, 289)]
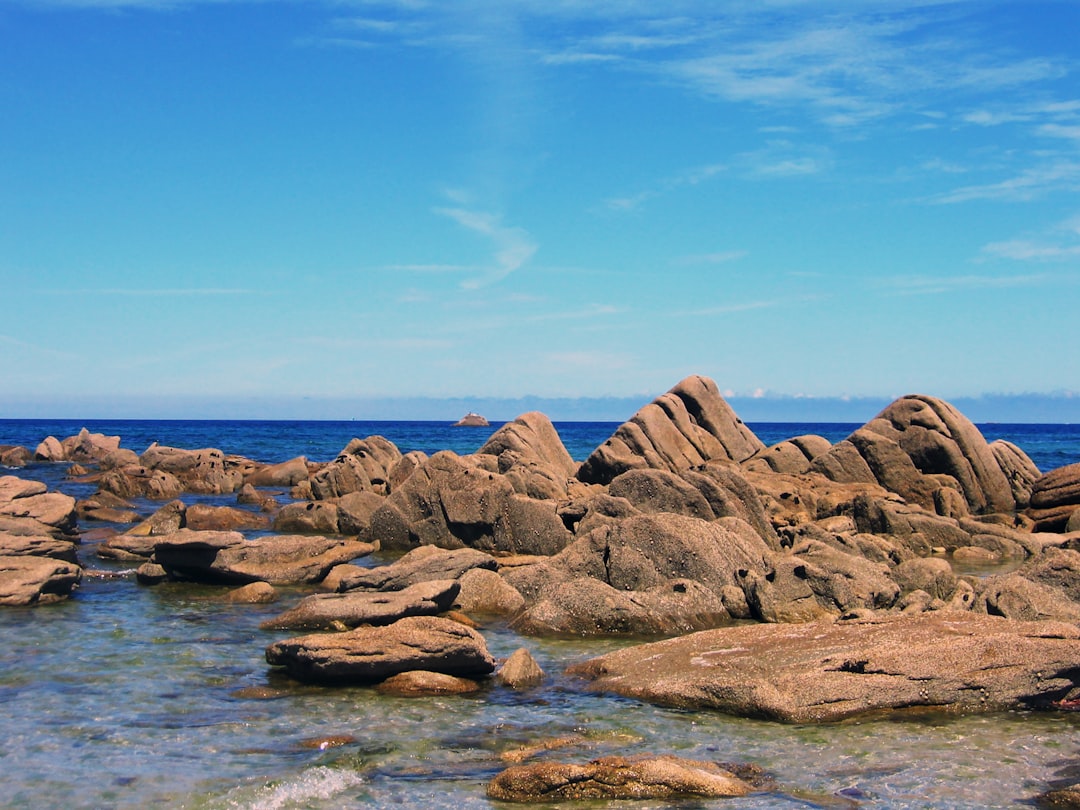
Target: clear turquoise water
[(134, 697)]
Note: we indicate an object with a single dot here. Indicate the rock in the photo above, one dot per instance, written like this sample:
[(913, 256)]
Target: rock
[(312, 517), (520, 671), (150, 573), (424, 564), (286, 474), (205, 471), (792, 456), (684, 428), (106, 507), (121, 457), (227, 557), (420, 683), (40, 511), (1014, 596), (248, 495), (255, 593), (614, 778), (201, 517), (1018, 468), (1054, 498), (372, 654), (29, 580), (960, 662), (364, 465), (471, 420), (138, 481), (651, 491), (931, 574), (168, 518), (485, 592), (17, 545), (355, 510), (589, 607), (88, 447), (50, 449), (14, 456), (532, 456), (1061, 798), (322, 611)]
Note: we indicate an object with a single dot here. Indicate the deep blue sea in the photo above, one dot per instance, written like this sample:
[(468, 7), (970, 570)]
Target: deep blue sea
[(127, 696)]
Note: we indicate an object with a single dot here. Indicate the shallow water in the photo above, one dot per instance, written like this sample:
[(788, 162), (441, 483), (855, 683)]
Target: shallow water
[(128, 696)]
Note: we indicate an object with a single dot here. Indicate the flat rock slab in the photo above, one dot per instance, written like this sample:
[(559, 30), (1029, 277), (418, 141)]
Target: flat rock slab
[(373, 654), (645, 777), (422, 564), (825, 671), (227, 557), (17, 545), (28, 580), (322, 611)]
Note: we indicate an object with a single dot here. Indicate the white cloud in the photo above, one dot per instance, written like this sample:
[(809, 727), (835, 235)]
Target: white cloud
[(1030, 184), (936, 285), (721, 257), (512, 247)]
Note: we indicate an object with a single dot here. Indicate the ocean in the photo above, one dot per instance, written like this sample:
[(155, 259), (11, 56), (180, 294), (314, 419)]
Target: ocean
[(129, 696)]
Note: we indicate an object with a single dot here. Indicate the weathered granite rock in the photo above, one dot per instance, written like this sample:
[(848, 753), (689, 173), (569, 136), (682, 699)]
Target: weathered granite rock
[(1014, 596), (931, 574), (29, 580), (651, 491), (88, 447), (354, 512), (920, 530), (14, 456), (484, 592), (30, 503), (50, 449), (520, 671), (1018, 468), (139, 481), (205, 471), (532, 456), (686, 427), (20, 545), (363, 465), (615, 778), (324, 611), (168, 518), (372, 654), (420, 683), (254, 593), (942, 448), (286, 474), (310, 517), (227, 557), (1066, 797), (589, 607), (450, 501), (792, 456), (248, 495), (823, 671), (730, 494), (423, 564), (106, 507), (1054, 498), (202, 517)]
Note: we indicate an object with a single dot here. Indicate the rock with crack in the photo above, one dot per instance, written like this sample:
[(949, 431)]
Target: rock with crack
[(323, 611)]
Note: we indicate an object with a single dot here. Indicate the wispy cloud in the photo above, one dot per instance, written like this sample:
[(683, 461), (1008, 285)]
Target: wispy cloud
[(513, 247), (721, 257), (1029, 184), (936, 285), (693, 176), (1060, 242)]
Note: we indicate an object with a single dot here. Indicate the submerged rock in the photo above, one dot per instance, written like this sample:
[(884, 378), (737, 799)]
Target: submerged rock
[(613, 778)]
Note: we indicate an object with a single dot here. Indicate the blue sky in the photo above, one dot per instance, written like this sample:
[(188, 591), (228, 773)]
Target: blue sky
[(234, 201)]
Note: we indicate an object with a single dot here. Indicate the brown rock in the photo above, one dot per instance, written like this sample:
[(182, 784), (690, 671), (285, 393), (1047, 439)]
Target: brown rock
[(613, 778), (205, 471), (50, 449), (311, 517), (520, 671), (363, 465), (29, 580), (372, 654), (201, 517), (424, 564), (138, 481), (286, 474), (255, 593), (485, 592), (323, 611), (816, 672), (420, 683), (17, 545)]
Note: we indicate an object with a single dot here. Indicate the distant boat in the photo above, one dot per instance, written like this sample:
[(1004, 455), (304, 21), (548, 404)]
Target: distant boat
[(471, 419)]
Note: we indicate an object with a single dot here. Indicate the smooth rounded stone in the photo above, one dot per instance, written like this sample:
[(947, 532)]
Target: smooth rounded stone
[(614, 778), (420, 683), (12, 488), (150, 573), (28, 580), (1014, 596), (931, 574), (824, 671), (1073, 523), (485, 592), (312, 517), (227, 557), (285, 474), (975, 555), (255, 593), (419, 565), (323, 611), (651, 491), (87, 446), (520, 671), (532, 435), (249, 496), (355, 510), (686, 427), (168, 518), (372, 654), (14, 456), (127, 547), (792, 456), (1019, 469), (202, 517), (53, 509), (18, 545), (50, 449)]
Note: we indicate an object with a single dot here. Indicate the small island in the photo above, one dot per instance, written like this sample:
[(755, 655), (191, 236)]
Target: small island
[(471, 419)]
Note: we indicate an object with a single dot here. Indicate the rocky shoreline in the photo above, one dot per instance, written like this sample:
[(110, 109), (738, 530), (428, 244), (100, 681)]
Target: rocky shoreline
[(802, 582)]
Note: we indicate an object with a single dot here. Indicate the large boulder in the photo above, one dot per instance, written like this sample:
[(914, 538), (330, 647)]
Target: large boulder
[(532, 456), (285, 474), (323, 611), (1054, 498), (20, 545), (920, 444), (139, 481), (792, 456), (1019, 469), (825, 671), (614, 778), (88, 447), (373, 654), (206, 471), (229, 558), (452, 502), (363, 465), (686, 427), (30, 503), (30, 580)]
